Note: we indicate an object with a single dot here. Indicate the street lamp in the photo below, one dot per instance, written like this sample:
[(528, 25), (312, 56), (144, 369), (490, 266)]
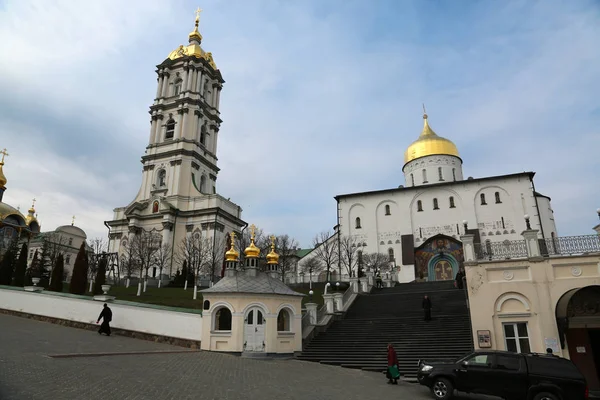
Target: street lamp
[(465, 224), (527, 222), (337, 286), (598, 211), (310, 295)]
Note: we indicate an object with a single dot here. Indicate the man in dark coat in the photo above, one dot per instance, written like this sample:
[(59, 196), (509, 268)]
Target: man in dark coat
[(427, 307), (106, 317), (459, 278)]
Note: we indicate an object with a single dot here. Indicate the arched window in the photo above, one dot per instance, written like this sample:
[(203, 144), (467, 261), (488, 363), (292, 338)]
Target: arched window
[(206, 305), (452, 202), (203, 184), (454, 174), (223, 319), (482, 196), (435, 204), (283, 321), (170, 132), (161, 178), (70, 241), (68, 259), (497, 194), (440, 175), (424, 176), (387, 210), (357, 223), (155, 207), (391, 254), (419, 205), (412, 180)]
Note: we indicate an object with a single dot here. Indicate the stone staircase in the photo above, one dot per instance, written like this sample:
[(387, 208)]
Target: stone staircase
[(394, 315)]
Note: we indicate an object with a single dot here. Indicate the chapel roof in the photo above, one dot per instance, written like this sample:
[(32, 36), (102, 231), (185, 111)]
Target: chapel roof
[(429, 144), (259, 284)]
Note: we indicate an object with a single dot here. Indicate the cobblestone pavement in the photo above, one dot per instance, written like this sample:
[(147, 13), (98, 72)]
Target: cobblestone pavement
[(27, 371)]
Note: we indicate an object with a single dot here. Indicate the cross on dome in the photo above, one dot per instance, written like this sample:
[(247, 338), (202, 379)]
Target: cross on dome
[(4, 154)]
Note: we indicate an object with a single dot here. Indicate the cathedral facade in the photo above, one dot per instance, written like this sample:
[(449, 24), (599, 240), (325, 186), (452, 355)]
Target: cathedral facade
[(418, 225), (178, 195)]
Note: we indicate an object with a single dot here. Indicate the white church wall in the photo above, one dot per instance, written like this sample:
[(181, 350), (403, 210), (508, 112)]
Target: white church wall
[(547, 215), (142, 318)]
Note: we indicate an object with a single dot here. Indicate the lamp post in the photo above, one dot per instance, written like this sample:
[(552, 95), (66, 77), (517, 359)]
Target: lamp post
[(598, 212), (337, 286), (465, 225), (527, 222), (310, 295)]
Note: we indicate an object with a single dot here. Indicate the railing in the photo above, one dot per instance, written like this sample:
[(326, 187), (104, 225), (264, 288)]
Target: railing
[(346, 297), (501, 250), (570, 245)]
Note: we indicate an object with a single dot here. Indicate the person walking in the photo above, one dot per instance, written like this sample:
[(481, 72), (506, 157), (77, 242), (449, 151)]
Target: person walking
[(426, 304), (378, 280), (393, 369), (460, 275), (106, 317)]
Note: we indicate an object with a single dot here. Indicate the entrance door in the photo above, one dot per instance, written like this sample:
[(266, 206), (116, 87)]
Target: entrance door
[(254, 330), (443, 270)]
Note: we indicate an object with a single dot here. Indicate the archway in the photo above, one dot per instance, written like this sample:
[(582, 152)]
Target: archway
[(578, 322)]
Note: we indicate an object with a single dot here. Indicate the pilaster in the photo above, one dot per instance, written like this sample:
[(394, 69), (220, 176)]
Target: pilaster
[(531, 241), (328, 299), (468, 241), (311, 309)]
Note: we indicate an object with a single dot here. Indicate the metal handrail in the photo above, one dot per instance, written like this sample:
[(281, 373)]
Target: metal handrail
[(570, 245), (347, 295), (306, 320), (321, 312)]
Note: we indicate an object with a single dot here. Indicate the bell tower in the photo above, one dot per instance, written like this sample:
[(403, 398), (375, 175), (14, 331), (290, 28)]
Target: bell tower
[(178, 195)]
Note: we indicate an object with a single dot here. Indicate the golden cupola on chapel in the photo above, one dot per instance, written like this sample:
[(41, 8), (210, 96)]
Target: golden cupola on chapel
[(429, 144), (272, 257), (232, 254), (252, 251)]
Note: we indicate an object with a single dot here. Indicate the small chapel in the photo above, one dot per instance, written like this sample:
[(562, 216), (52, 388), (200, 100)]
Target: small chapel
[(249, 311)]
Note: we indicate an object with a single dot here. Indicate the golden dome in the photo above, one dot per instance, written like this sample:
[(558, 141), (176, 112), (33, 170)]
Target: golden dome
[(428, 144), (193, 49), (31, 214), (231, 254), (3, 179), (252, 251), (272, 257)]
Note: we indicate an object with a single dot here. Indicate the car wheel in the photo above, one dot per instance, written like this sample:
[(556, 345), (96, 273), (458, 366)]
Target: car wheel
[(545, 396), (442, 389)]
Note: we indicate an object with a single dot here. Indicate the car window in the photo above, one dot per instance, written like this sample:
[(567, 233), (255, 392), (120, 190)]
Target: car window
[(480, 360), (506, 362)]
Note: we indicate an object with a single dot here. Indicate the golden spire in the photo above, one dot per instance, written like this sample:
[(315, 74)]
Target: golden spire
[(272, 257), (195, 34), (32, 209), (231, 254), (73, 221), (31, 213), (3, 179), (427, 131), (252, 251)]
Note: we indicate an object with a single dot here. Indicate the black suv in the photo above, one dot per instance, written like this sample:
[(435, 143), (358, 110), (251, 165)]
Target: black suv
[(508, 375)]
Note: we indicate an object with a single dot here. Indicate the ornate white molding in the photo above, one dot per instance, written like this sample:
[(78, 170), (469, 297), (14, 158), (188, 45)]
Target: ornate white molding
[(508, 275), (576, 271)]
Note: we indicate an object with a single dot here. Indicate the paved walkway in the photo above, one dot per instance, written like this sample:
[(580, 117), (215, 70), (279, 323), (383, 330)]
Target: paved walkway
[(28, 371)]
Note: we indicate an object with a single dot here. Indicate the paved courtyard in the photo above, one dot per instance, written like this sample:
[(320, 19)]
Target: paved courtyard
[(28, 371)]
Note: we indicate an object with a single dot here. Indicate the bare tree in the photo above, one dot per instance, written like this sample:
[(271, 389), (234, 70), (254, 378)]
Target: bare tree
[(162, 258), (286, 248), (261, 240), (196, 251), (56, 244), (349, 246), (143, 248), (97, 247), (326, 251), (376, 262), (217, 256), (128, 264), (311, 265)]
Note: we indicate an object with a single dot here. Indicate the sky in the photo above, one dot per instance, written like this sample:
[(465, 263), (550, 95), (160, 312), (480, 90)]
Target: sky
[(321, 98)]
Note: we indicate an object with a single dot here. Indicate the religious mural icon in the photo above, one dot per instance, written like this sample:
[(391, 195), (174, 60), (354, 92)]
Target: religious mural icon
[(439, 258), (484, 339)]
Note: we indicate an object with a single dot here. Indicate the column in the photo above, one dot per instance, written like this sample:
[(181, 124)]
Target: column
[(218, 97), (152, 130), (311, 309), (337, 298), (531, 241), (354, 284), (365, 285), (199, 78), (165, 85), (190, 80), (328, 298), (179, 124), (186, 79), (196, 121), (183, 122), (159, 85), (468, 247)]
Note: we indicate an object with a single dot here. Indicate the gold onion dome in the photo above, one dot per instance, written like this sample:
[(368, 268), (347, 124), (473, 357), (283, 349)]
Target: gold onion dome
[(428, 144), (30, 214), (272, 257), (252, 251), (231, 254), (193, 49)]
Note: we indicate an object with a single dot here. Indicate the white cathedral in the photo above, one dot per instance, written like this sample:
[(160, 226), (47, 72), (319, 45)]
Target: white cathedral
[(418, 225), (178, 195)]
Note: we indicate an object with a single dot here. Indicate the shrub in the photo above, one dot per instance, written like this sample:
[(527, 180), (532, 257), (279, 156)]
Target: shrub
[(56, 284), (80, 272), (21, 267)]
